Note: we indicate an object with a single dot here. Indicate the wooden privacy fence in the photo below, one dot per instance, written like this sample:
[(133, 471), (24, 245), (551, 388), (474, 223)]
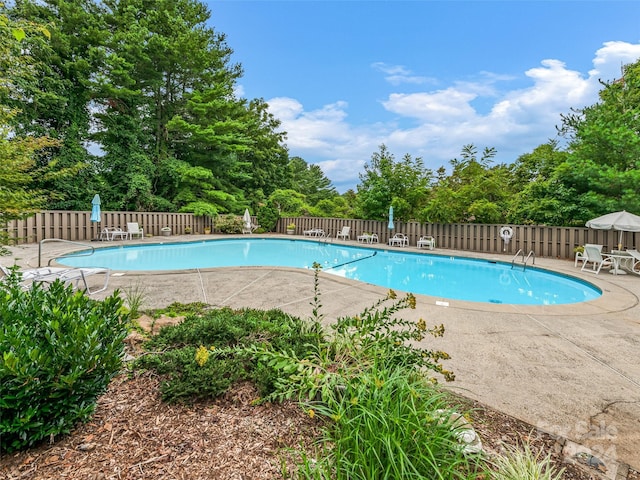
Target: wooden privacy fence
[(544, 241), (77, 225)]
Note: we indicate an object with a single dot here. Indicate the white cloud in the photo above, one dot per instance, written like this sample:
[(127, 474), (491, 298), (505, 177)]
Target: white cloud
[(435, 124), (610, 58), (398, 74)]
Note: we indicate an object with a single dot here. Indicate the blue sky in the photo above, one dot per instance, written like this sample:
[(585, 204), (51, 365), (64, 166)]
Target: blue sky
[(423, 77)]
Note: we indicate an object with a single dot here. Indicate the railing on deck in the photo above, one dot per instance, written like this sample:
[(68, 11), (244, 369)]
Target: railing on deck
[(542, 240)]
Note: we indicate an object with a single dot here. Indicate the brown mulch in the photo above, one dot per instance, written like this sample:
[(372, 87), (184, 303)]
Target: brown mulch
[(134, 435)]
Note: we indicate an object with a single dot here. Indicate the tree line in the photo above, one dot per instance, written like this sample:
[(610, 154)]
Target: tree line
[(137, 100)]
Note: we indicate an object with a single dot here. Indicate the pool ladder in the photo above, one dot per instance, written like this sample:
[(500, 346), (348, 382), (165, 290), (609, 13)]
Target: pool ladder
[(524, 259)]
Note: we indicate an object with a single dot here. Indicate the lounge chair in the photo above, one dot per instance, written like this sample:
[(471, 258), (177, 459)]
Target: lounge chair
[(111, 233), (399, 240), (344, 234), (133, 229), (581, 257), (368, 238), (66, 275), (314, 232), (593, 255), (427, 241), (633, 266)]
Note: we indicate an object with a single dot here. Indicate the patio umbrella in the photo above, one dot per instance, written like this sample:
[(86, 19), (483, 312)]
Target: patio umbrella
[(391, 217), (95, 208), (622, 221), (246, 219)]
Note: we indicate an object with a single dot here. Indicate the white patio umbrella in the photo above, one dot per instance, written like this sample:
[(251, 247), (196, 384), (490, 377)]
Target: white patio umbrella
[(622, 221), (246, 219)]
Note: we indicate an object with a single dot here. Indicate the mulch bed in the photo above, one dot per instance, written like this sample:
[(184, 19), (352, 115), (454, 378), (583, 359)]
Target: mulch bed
[(134, 435)]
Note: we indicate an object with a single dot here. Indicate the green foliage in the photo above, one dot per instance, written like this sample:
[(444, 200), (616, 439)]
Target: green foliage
[(267, 217), (229, 224), (474, 192), (135, 295), (388, 423), (601, 169), (288, 203), (357, 345), (310, 181), (19, 172), (59, 350), (177, 309), (190, 373), (515, 464), (174, 349), (386, 182)]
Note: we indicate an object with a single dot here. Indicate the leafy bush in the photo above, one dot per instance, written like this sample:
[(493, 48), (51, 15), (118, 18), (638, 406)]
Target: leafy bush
[(358, 343), (268, 217), (229, 224), (177, 351), (189, 372), (59, 350)]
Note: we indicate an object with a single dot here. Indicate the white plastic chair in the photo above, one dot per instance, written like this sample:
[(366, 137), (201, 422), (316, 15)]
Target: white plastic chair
[(399, 240), (581, 256), (134, 229), (66, 275), (344, 234), (427, 241), (593, 255)]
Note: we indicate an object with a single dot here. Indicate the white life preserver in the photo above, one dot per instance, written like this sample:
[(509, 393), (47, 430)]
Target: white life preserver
[(506, 233)]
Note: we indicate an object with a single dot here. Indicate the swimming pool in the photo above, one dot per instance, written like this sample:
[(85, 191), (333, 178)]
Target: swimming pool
[(447, 277)]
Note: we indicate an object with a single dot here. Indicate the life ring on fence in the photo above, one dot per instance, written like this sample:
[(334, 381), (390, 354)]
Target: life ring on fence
[(506, 233)]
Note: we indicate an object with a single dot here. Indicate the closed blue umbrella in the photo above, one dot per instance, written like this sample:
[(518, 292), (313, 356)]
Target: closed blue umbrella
[(391, 217), (95, 208)]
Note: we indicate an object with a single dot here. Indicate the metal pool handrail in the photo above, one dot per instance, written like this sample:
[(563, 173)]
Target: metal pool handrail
[(47, 240)]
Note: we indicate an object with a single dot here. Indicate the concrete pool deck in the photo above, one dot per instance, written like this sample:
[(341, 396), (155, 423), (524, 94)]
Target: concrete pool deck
[(571, 370)]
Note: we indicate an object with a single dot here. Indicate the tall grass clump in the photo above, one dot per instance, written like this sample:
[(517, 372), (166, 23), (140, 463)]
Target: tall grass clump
[(522, 464), (60, 349), (374, 382), (387, 424)]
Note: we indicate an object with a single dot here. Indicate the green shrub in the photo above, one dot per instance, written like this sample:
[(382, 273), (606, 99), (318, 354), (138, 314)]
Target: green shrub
[(358, 343), (226, 336), (229, 224), (268, 217), (59, 350), (193, 373)]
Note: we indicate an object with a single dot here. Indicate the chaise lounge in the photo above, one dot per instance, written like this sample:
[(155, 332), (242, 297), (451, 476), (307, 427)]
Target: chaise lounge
[(67, 275)]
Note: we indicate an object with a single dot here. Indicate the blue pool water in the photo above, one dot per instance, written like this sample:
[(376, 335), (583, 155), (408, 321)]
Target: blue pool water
[(436, 275)]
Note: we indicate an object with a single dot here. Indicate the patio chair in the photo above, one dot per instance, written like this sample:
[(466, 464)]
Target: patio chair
[(634, 265), (399, 240), (111, 233), (133, 229), (67, 275), (314, 232), (249, 228), (344, 234), (593, 255), (581, 257), (427, 241)]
